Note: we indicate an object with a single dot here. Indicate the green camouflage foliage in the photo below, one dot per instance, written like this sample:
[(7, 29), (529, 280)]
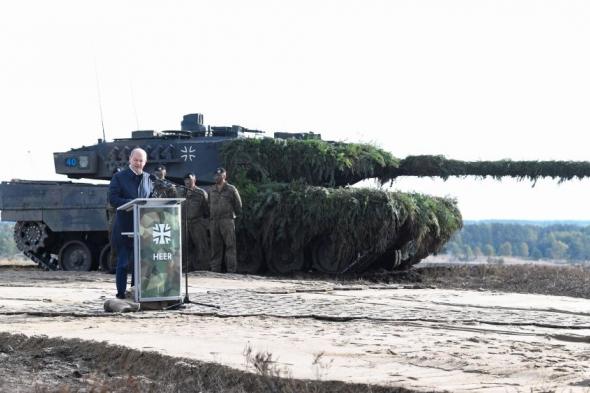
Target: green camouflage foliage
[(313, 162), (361, 226), (287, 210), (322, 163), (439, 166), (297, 223)]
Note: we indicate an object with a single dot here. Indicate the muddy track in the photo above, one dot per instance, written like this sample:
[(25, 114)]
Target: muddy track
[(42, 364)]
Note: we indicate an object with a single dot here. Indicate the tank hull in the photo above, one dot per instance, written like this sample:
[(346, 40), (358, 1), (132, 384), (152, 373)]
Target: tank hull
[(284, 228), (49, 215)]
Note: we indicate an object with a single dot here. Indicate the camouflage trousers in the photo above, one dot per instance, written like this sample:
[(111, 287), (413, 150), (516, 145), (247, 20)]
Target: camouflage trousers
[(197, 230), (223, 234)]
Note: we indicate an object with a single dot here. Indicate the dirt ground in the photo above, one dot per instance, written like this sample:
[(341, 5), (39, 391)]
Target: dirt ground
[(407, 336)]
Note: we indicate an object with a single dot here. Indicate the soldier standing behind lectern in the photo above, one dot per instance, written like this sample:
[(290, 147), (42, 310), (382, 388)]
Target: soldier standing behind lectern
[(224, 205), (196, 213), (162, 187)]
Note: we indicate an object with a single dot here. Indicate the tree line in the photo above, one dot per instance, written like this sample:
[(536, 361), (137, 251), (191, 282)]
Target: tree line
[(7, 246), (560, 241)]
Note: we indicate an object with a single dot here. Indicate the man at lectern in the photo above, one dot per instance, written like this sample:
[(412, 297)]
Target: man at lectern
[(126, 185)]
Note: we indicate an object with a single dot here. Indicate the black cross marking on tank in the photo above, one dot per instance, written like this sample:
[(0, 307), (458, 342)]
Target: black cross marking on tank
[(187, 153)]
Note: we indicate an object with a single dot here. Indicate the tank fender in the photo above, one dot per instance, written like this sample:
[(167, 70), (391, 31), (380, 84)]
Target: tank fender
[(76, 220), (22, 215)]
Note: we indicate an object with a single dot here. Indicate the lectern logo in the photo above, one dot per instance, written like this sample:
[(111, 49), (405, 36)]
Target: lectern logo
[(161, 234)]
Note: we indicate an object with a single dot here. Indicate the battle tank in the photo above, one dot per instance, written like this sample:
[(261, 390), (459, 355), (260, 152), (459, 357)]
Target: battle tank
[(300, 211)]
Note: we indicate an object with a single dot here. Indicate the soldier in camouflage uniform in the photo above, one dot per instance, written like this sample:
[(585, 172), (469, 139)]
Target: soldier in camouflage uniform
[(196, 216), (162, 187), (224, 205)]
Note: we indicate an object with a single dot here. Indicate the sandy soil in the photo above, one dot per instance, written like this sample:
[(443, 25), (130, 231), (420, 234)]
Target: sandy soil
[(422, 339), (20, 261)]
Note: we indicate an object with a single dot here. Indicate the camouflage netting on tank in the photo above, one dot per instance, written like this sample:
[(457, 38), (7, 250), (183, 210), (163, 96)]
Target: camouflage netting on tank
[(292, 224), (439, 166), (314, 162), (343, 229), (295, 225), (335, 164)]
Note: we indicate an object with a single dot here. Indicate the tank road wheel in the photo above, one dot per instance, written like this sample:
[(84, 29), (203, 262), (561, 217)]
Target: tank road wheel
[(282, 260), (250, 256), (75, 255), (30, 235), (330, 256), (107, 264), (252, 262)]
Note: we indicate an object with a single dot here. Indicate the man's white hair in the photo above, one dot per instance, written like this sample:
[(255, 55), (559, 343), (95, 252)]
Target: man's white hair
[(137, 150)]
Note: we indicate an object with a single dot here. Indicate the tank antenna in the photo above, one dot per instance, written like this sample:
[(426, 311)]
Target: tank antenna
[(104, 138)]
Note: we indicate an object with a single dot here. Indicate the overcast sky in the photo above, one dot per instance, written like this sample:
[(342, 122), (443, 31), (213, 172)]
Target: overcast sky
[(468, 79)]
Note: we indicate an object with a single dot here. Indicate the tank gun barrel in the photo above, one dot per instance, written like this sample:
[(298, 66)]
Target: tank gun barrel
[(440, 166), (325, 163)]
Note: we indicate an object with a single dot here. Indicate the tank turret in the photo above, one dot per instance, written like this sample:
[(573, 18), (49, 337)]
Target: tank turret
[(193, 122)]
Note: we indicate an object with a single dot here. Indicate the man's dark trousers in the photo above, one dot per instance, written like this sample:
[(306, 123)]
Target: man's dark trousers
[(124, 247)]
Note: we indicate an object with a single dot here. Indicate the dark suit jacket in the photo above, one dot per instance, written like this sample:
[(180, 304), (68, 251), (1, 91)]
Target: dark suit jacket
[(126, 186)]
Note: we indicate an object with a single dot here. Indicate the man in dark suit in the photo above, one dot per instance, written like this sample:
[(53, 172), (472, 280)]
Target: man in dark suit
[(126, 185)]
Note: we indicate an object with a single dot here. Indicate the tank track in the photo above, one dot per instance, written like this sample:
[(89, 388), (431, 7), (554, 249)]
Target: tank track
[(30, 235), (45, 260)]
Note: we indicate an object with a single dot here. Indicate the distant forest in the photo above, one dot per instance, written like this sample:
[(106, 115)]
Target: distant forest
[(7, 246), (569, 242)]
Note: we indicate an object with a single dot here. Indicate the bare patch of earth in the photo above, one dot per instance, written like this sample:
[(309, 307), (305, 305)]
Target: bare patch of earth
[(43, 364), (393, 335), (18, 262)]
